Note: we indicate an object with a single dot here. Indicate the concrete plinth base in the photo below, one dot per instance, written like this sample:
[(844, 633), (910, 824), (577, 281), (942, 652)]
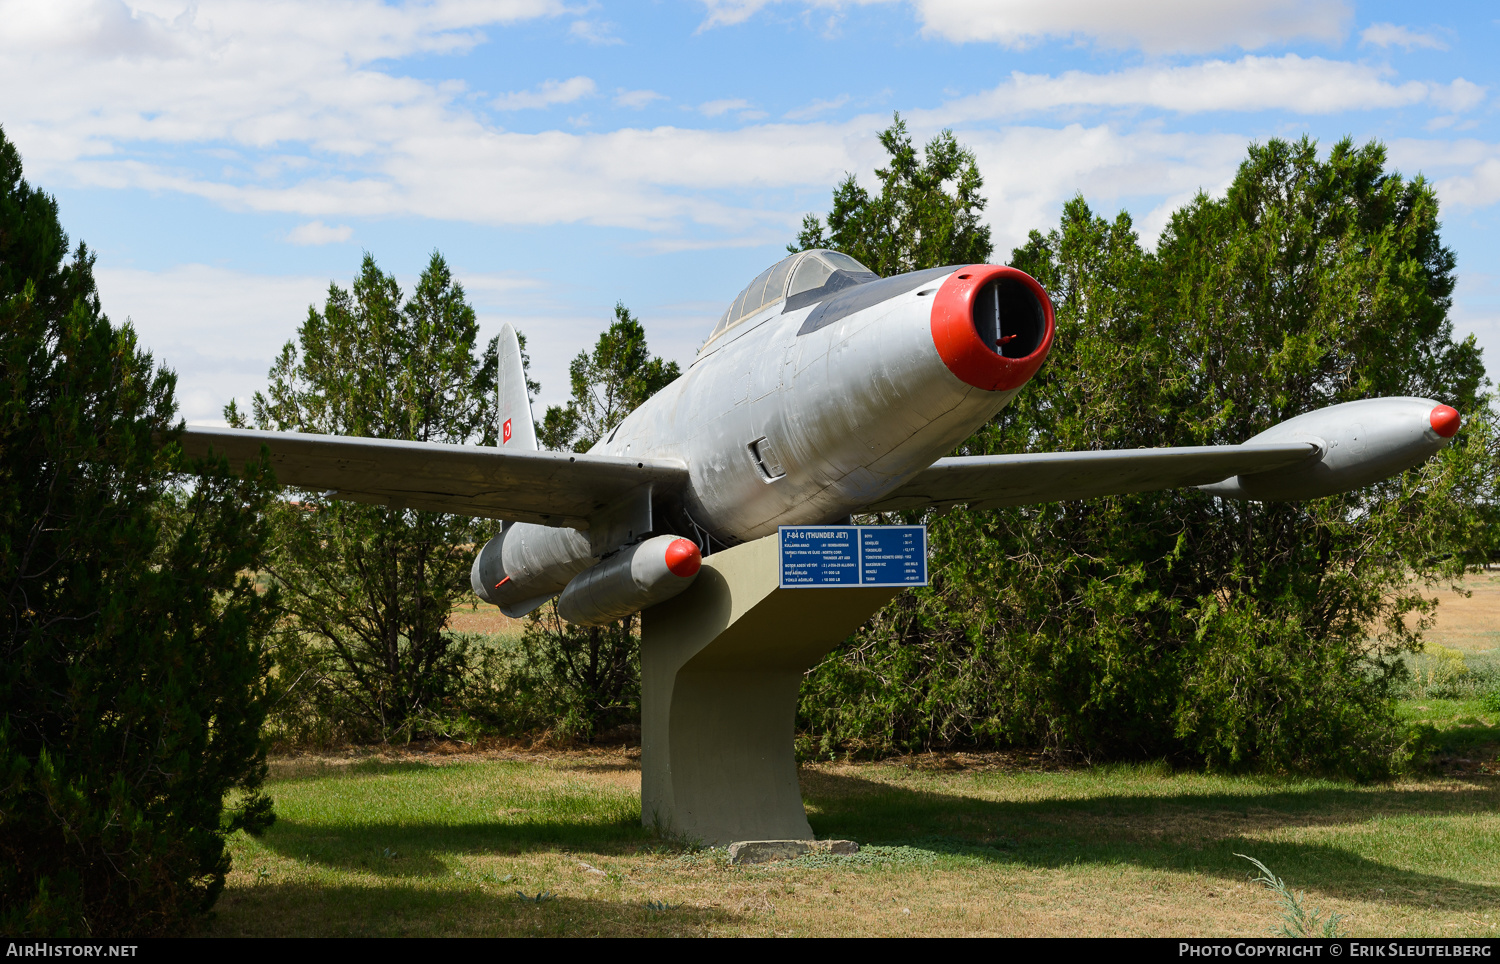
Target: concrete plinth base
[(766, 851), (721, 665)]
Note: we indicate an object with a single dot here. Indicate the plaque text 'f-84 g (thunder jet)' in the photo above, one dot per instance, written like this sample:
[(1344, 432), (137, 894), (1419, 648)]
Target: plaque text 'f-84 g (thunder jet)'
[(822, 391)]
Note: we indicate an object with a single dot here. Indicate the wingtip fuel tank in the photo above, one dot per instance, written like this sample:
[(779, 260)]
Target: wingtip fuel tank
[(1357, 443)]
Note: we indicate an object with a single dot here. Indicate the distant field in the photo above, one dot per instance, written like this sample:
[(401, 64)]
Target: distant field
[(1471, 623), (434, 844), (478, 617), (1467, 623)]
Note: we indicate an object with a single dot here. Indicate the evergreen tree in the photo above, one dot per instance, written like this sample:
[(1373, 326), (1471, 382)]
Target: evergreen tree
[(368, 589), (608, 383), (917, 220), (132, 675)]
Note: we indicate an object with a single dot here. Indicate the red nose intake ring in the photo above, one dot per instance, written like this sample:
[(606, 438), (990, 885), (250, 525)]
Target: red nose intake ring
[(992, 326), (1445, 421)]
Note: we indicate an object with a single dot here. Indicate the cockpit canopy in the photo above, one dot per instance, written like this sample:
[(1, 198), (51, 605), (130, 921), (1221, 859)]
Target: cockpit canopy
[(812, 275)]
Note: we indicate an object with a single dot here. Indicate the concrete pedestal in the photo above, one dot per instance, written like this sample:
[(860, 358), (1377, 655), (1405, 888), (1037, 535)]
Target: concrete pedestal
[(720, 669)]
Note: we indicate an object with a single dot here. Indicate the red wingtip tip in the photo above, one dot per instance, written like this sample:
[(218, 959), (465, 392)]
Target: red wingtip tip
[(683, 558), (1445, 421)]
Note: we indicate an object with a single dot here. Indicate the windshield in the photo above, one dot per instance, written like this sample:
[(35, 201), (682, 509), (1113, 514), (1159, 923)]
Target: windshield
[(802, 272)]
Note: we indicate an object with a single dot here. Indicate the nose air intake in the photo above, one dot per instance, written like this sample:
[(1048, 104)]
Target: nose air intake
[(992, 326)]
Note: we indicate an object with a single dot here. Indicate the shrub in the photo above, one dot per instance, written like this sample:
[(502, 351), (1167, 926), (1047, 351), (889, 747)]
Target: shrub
[(131, 672)]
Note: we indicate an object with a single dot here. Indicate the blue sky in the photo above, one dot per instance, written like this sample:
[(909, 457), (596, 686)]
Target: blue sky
[(227, 160)]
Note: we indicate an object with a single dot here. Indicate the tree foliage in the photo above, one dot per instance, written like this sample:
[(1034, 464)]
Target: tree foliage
[(926, 214), (1176, 624), (132, 675), (608, 383), (368, 588)]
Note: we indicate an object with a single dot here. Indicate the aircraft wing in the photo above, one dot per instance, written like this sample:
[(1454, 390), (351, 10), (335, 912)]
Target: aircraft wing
[(987, 481), (547, 488)]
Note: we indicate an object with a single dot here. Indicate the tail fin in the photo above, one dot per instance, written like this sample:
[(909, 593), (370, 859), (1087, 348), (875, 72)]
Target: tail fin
[(516, 428)]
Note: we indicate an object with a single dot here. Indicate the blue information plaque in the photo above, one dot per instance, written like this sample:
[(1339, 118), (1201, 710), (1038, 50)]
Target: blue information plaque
[(853, 556)]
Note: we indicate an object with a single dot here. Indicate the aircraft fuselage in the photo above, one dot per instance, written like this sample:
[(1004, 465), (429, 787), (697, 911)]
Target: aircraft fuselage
[(804, 415)]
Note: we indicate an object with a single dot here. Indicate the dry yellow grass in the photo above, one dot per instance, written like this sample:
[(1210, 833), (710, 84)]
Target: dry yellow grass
[(475, 617), (1471, 623)]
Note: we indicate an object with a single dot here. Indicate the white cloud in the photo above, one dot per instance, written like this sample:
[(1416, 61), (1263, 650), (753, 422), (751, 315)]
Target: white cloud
[(496, 284), (248, 73), (1030, 171), (1465, 172), (726, 13), (636, 99), (1390, 35), (1301, 85), (219, 330), (1476, 311), (817, 107), (1155, 26), (715, 108), (364, 30), (594, 32), (1478, 187), (547, 93), (290, 112), (1461, 95), (316, 232)]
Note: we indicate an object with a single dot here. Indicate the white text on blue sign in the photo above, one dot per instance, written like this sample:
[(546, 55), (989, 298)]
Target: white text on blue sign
[(813, 556)]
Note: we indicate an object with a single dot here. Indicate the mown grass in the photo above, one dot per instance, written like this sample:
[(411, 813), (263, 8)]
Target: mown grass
[(426, 844)]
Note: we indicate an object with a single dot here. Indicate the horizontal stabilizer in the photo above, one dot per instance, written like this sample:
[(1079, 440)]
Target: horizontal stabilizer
[(547, 488), (987, 481)]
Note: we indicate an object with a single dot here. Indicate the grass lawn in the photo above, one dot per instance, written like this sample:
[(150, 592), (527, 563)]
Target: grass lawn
[(429, 842), (435, 844)]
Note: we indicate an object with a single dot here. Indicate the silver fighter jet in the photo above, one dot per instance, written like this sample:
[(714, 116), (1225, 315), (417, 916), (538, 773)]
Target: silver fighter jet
[(824, 390)]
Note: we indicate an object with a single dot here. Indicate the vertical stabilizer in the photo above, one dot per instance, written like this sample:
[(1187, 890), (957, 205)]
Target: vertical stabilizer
[(516, 429)]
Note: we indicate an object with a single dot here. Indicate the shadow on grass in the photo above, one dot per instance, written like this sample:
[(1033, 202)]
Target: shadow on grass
[(307, 910), (295, 772), (399, 842), (1197, 832), (414, 849), (1468, 738)]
